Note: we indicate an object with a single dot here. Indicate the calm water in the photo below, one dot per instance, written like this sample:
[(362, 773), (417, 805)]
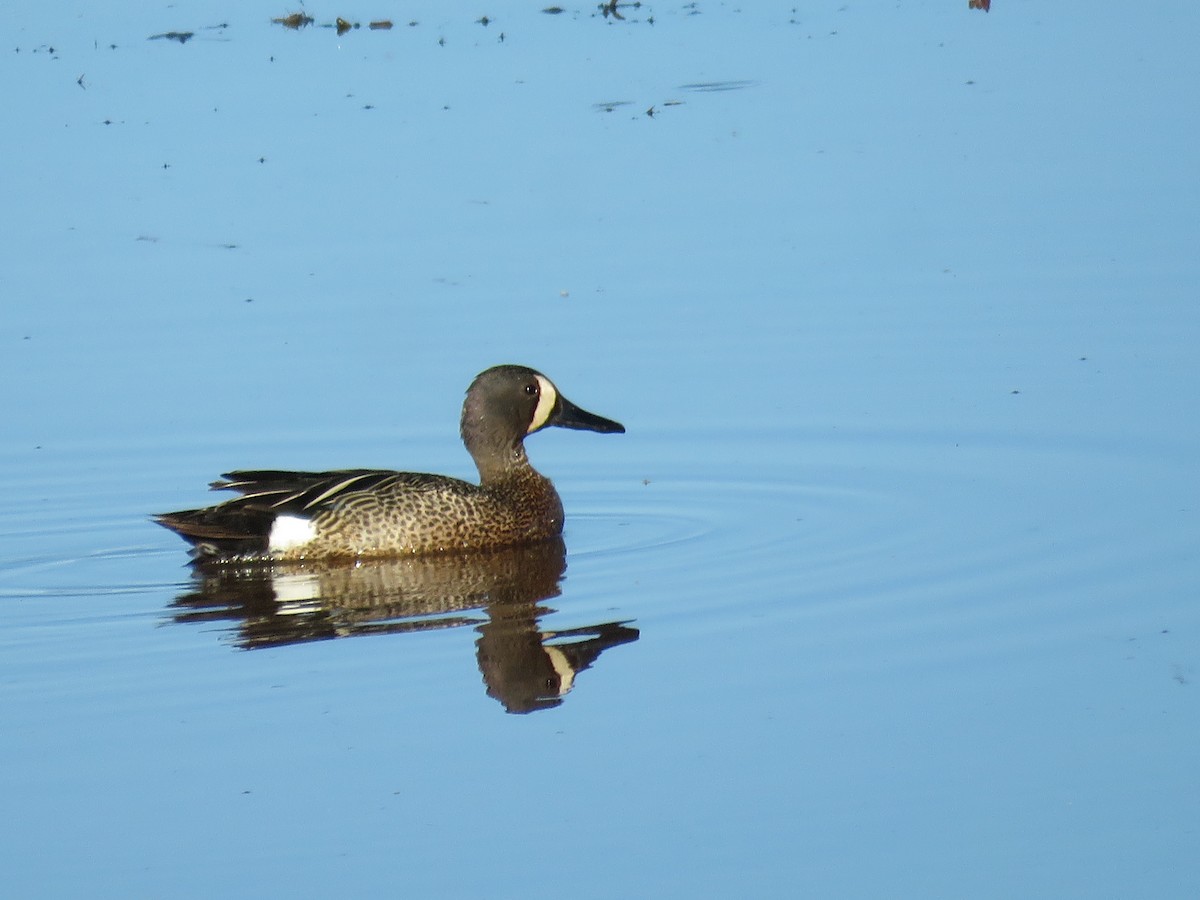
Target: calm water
[(889, 590)]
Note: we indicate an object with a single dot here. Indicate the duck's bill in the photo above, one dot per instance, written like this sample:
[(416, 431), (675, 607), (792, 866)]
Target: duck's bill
[(568, 415)]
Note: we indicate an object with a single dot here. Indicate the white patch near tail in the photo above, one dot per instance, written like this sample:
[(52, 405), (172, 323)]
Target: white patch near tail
[(288, 532), (547, 400)]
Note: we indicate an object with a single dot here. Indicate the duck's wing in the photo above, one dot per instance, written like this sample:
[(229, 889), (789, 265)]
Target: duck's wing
[(301, 493)]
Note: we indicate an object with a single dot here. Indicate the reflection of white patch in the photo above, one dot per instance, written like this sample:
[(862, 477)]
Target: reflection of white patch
[(290, 531), (547, 400), (297, 594), (562, 666)]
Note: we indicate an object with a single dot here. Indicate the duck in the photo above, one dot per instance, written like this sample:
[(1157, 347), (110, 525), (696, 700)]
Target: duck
[(376, 513)]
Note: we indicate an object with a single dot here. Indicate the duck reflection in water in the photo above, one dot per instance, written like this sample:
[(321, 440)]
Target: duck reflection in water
[(523, 667)]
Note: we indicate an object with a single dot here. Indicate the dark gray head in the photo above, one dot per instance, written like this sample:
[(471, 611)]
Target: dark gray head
[(506, 403)]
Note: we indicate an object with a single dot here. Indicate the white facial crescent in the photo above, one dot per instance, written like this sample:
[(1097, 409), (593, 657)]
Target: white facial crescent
[(547, 400)]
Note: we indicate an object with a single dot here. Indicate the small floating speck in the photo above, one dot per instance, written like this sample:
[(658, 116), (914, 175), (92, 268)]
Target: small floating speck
[(381, 25)]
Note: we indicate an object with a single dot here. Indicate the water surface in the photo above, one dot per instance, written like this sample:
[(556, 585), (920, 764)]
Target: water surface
[(889, 588)]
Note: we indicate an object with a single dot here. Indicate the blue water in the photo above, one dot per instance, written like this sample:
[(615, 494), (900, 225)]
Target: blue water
[(897, 306)]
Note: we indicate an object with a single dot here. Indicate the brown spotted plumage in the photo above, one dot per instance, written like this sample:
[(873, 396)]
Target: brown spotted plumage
[(373, 512)]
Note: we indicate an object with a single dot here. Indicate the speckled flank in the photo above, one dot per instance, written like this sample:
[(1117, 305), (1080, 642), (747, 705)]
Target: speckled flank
[(414, 514), (373, 512)]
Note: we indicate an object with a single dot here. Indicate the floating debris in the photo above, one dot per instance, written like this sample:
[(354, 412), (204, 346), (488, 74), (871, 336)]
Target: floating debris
[(182, 36), (343, 26), (381, 25), (714, 86), (613, 8), (985, 5), (610, 9), (295, 21), (610, 105), (554, 10)]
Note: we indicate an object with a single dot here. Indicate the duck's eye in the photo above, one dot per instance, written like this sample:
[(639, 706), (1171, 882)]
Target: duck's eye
[(531, 390)]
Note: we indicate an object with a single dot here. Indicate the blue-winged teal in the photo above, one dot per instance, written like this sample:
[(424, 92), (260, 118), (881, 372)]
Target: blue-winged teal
[(373, 512)]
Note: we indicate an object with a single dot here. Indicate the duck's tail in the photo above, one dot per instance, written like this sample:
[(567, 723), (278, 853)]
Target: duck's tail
[(226, 531)]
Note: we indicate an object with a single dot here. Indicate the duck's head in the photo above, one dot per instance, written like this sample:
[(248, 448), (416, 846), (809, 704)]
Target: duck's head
[(506, 403)]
